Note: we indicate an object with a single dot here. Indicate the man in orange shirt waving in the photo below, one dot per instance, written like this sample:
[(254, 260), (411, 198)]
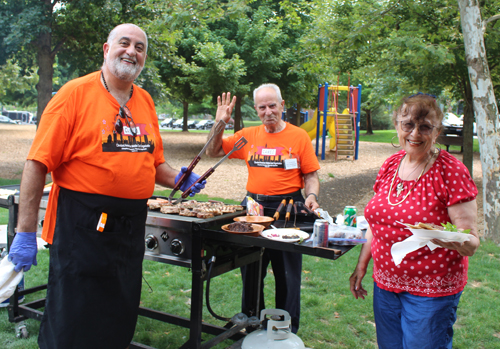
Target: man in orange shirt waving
[(100, 140), (280, 161)]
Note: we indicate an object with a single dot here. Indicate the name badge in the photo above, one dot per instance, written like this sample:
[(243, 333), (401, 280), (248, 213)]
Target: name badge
[(128, 132), (291, 164), (269, 152)]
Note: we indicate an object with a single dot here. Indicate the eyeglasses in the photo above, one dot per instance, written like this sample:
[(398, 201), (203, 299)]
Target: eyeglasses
[(423, 129), (125, 113)]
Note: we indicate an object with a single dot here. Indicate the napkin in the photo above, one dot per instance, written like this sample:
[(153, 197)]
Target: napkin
[(9, 279), (421, 238)]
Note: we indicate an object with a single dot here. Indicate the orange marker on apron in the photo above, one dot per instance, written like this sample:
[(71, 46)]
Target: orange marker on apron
[(102, 222)]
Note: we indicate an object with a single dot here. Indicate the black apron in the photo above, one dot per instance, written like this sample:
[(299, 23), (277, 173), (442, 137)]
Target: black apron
[(95, 277)]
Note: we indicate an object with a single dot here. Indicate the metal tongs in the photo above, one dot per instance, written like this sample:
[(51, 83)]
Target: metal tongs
[(288, 212), (276, 215), (218, 128), (237, 146), (301, 206)]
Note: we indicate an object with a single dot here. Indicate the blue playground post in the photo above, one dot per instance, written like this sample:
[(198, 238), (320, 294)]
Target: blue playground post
[(358, 120), (318, 120), (325, 113)]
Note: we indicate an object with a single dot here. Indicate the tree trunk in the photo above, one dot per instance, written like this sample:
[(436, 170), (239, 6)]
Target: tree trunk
[(45, 72), (369, 126), (237, 114), (486, 111), (468, 125), (185, 110)]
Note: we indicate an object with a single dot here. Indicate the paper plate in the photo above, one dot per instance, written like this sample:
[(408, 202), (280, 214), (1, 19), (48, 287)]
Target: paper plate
[(448, 236), (285, 234)]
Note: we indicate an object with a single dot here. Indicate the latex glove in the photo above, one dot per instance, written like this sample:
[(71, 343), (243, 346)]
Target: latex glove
[(189, 181), (22, 252)]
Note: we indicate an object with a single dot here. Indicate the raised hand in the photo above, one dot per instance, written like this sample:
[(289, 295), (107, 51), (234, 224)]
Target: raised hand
[(225, 107)]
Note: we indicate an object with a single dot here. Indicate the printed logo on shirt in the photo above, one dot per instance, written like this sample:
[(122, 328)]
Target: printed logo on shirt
[(268, 157), (125, 141)]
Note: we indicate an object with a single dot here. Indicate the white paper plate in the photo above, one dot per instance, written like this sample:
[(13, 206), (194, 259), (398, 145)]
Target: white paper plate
[(448, 236), (283, 233)]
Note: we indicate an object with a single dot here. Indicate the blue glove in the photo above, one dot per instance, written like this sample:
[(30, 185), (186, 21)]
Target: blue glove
[(22, 252), (189, 181)]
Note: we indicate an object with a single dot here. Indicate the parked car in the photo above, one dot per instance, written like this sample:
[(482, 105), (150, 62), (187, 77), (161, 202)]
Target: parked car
[(7, 120), (191, 124), (229, 126), (177, 123), (167, 122), (452, 125), (204, 125)]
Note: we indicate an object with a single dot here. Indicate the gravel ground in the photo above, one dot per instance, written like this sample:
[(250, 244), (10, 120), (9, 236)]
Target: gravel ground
[(343, 182)]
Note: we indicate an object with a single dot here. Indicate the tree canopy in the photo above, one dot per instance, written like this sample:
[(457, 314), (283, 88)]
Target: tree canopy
[(34, 32)]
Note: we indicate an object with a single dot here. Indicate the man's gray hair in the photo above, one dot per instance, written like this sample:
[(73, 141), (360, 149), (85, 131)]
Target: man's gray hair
[(273, 86), (112, 34)]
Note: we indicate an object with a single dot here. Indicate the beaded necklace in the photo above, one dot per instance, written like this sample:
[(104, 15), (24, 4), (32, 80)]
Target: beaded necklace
[(400, 186), (414, 184), (107, 89)]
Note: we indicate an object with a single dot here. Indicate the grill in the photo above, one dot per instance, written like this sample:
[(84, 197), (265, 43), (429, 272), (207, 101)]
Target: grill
[(194, 243), (169, 237)]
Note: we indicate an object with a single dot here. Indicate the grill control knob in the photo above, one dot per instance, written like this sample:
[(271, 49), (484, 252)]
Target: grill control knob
[(151, 243), (177, 247)]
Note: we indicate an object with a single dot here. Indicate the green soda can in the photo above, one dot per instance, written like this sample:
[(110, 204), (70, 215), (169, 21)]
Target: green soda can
[(350, 216)]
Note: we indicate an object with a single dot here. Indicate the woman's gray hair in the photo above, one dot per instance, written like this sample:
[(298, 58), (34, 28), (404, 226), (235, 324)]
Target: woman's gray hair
[(273, 86), (112, 34)]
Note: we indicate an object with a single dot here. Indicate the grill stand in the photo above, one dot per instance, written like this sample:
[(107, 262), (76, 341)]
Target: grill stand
[(249, 249)]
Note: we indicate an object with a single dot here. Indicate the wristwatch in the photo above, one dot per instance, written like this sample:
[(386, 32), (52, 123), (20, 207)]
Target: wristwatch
[(316, 196)]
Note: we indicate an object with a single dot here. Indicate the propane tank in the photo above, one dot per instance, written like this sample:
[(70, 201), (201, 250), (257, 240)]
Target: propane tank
[(277, 335)]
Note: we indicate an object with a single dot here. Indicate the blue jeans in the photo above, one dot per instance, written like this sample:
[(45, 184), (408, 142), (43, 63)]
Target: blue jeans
[(414, 322)]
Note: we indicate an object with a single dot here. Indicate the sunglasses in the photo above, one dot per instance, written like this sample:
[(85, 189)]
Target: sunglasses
[(423, 129), (125, 114)]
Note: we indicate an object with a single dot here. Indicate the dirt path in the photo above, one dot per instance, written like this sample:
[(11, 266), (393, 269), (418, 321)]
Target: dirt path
[(343, 182)]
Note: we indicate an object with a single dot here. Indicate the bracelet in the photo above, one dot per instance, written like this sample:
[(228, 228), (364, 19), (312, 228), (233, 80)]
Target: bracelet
[(316, 196)]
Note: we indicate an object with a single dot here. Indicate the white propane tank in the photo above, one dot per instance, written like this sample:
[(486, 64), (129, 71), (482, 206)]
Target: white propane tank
[(278, 334)]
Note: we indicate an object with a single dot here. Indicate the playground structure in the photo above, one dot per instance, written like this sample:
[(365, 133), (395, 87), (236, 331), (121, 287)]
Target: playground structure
[(342, 127)]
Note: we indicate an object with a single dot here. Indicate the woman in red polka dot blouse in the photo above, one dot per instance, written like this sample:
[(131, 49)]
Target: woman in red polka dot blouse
[(415, 302)]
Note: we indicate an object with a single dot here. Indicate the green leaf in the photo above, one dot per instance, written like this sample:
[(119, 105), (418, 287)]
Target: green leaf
[(450, 227)]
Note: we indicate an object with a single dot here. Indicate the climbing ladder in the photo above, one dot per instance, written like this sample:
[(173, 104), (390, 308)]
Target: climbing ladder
[(344, 123), (346, 137)]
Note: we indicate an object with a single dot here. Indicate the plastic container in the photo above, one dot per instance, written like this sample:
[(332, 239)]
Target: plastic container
[(20, 287)]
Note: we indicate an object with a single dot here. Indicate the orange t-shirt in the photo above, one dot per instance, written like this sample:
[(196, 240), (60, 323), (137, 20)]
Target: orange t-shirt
[(276, 162), (77, 143)]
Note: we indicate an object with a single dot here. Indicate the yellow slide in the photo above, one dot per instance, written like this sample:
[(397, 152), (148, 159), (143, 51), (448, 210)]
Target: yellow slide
[(310, 127)]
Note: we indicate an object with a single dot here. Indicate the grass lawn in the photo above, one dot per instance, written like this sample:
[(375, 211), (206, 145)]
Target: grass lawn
[(330, 318)]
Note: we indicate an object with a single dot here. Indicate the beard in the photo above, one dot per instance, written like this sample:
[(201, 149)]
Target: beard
[(124, 71)]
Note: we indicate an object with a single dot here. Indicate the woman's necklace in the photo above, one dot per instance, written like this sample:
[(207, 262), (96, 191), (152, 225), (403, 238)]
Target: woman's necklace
[(409, 191), (400, 186)]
